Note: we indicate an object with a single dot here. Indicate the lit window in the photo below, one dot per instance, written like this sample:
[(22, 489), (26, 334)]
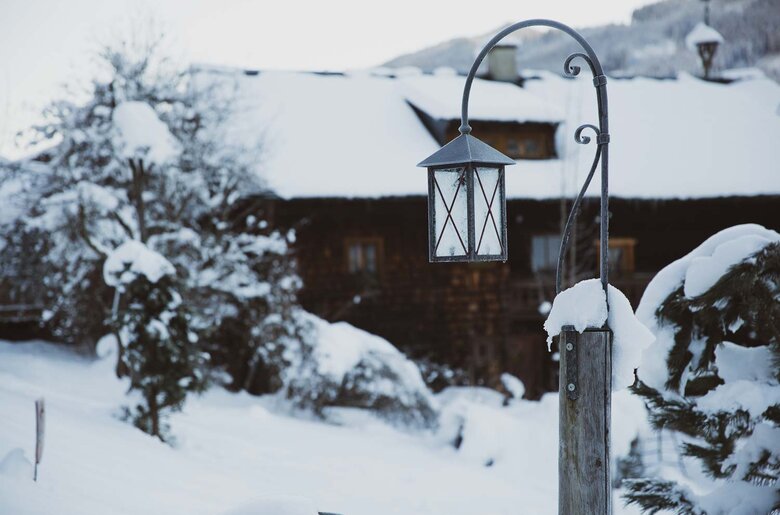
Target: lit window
[(544, 252), (362, 256)]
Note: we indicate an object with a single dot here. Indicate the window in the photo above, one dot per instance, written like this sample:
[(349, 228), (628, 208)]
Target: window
[(523, 146), (621, 255), (363, 255), (544, 252), (532, 148)]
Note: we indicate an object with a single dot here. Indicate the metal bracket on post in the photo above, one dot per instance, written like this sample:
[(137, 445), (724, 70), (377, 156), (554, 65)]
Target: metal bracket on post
[(568, 344)]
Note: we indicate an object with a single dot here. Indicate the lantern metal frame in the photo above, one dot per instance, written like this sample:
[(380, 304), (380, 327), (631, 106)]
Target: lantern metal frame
[(468, 154), (472, 244), (601, 131)]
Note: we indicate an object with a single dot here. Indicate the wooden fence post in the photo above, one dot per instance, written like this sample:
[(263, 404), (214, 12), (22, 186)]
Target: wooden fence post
[(40, 426), (584, 389)]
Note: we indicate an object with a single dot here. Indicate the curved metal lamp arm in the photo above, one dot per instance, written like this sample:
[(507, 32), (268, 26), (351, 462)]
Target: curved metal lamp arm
[(602, 135)]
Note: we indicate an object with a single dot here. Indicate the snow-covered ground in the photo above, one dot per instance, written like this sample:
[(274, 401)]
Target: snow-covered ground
[(242, 454)]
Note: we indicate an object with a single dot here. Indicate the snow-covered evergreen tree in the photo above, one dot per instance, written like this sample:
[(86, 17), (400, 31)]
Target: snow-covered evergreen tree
[(147, 158), (158, 350), (713, 374), (630, 466), (247, 290)]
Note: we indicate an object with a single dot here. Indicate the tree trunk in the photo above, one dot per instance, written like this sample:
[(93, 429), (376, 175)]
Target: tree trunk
[(137, 187), (154, 414)]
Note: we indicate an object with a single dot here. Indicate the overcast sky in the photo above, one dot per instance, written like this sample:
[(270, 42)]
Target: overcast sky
[(46, 43)]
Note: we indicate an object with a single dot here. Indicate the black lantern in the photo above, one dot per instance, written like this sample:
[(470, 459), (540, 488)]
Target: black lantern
[(466, 202)]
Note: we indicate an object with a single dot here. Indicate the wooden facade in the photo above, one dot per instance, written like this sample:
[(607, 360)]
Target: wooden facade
[(364, 261), (527, 140)]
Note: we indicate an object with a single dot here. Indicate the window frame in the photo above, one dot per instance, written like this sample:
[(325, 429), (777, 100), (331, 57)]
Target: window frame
[(627, 257), (553, 257), (364, 242)]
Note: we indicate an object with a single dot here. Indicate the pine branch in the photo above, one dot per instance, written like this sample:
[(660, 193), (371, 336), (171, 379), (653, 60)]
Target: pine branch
[(655, 495)]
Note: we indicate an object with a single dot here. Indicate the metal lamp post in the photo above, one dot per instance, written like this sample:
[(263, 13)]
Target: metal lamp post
[(467, 204), (705, 40)]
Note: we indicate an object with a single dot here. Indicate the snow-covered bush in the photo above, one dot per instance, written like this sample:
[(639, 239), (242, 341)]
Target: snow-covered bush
[(250, 315), (475, 422), (513, 386), (157, 349), (713, 374), (347, 367), (438, 376), (147, 159)]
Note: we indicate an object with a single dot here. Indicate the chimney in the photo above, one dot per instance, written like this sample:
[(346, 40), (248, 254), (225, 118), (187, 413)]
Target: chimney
[(502, 61)]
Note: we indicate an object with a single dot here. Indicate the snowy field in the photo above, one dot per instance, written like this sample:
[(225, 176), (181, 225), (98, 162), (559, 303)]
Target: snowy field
[(238, 454)]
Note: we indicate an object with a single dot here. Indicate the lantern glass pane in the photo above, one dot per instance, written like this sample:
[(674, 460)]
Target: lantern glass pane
[(450, 212), (488, 212)]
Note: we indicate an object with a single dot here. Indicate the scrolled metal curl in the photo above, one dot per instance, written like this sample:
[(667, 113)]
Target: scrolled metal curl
[(584, 140), (572, 70), (575, 208), (599, 81)]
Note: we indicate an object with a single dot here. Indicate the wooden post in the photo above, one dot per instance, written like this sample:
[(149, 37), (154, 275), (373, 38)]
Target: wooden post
[(585, 387), (40, 425)]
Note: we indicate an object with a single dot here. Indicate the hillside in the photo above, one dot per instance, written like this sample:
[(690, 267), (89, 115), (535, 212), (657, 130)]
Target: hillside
[(653, 44)]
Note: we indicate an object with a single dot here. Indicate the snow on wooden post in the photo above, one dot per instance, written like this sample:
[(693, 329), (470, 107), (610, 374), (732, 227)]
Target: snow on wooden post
[(585, 399), (40, 419)]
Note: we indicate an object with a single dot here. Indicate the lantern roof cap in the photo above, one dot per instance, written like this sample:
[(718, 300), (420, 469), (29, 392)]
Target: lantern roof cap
[(466, 149)]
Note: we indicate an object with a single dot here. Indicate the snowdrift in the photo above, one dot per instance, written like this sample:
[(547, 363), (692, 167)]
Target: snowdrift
[(348, 367)]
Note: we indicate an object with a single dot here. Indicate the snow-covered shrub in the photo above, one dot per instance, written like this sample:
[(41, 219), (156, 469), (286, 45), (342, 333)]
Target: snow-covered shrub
[(475, 422), (146, 163), (148, 158), (713, 374), (438, 376), (157, 349), (347, 367), (250, 314), (513, 386)]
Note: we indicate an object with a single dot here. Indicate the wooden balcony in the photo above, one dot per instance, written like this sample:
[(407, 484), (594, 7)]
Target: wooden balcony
[(19, 306), (18, 313), (523, 297)]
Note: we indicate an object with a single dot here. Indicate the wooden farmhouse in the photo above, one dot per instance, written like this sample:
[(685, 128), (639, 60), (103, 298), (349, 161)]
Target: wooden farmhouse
[(688, 158)]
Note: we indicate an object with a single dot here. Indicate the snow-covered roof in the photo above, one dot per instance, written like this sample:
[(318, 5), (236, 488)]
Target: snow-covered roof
[(440, 97), (323, 135), (356, 135), (683, 138), (702, 33)]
